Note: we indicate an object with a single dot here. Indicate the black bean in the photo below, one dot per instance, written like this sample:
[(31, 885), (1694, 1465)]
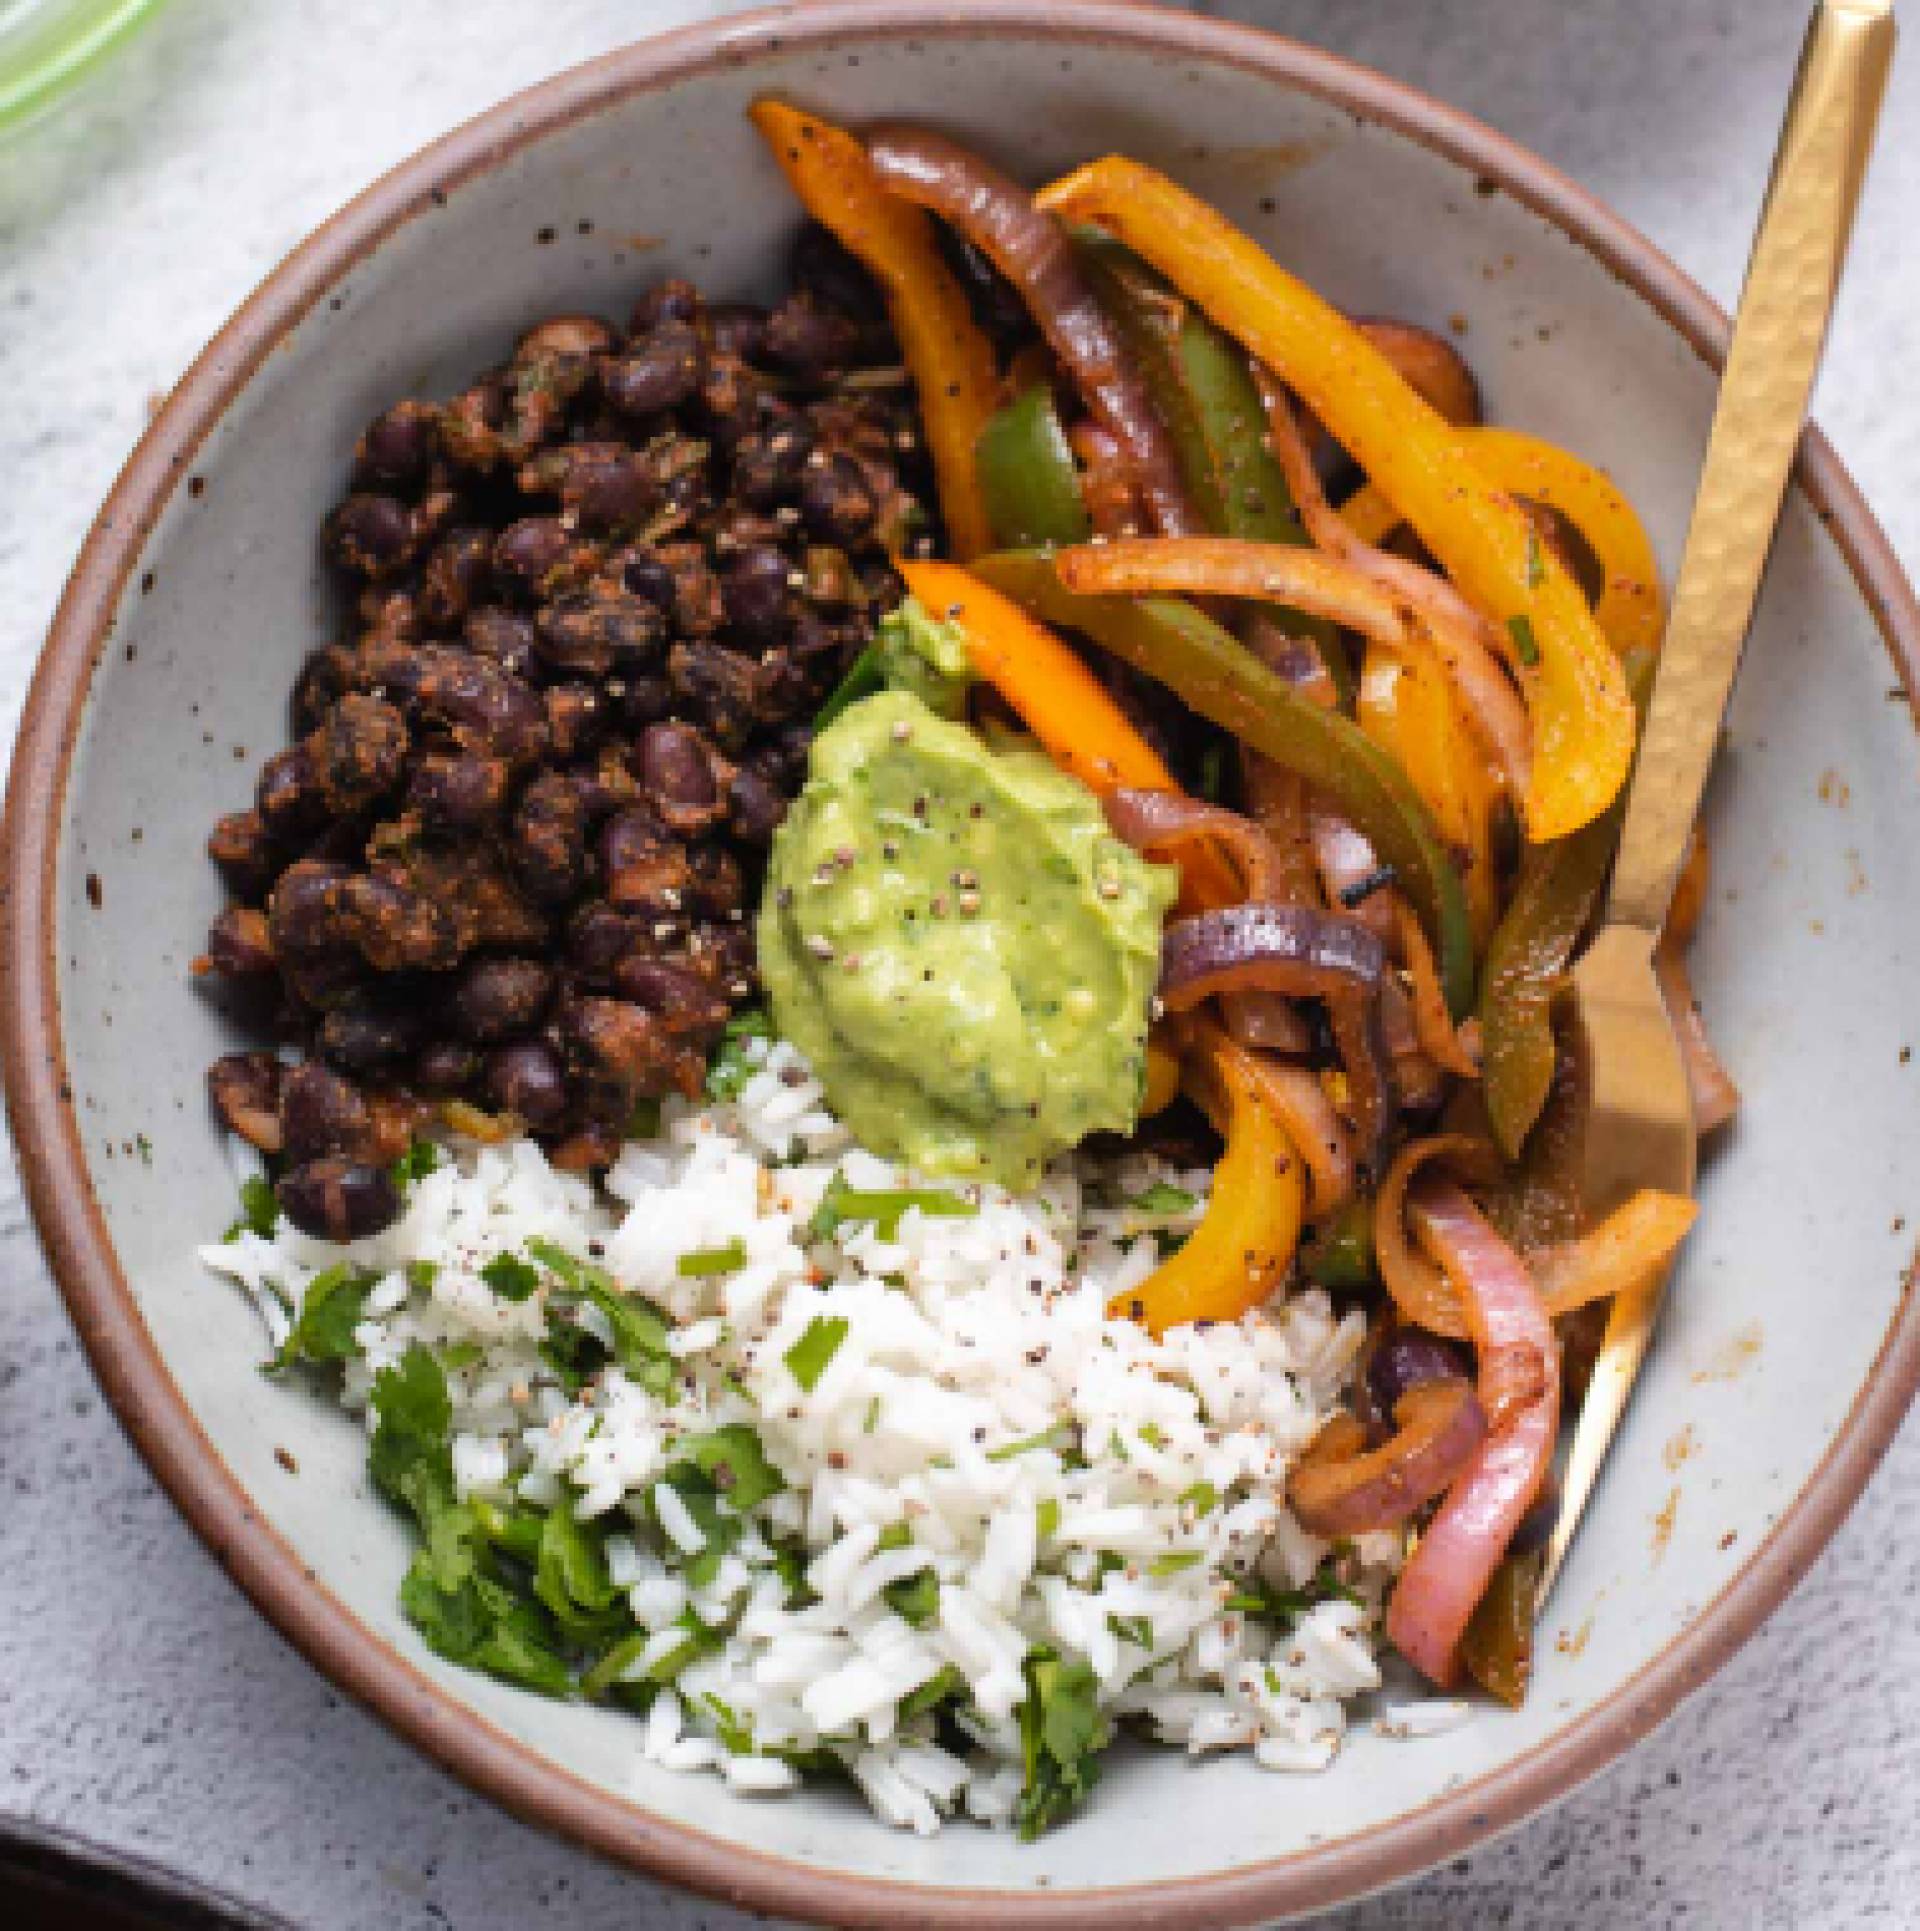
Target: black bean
[(578, 717), (755, 805), (307, 913), (322, 1113), (399, 929), (339, 1200), (595, 632), (717, 883), (835, 499), (493, 999), (241, 847), (598, 937), (456, 576), (356, 754), (458, 792), (245, 1091), (549, 839), (398, 447), (645, 700), (371, 1033), (833, 273), (738, 328), (239, 944), (719, 689), (755, 594), (768, 461), (623, 1053), (568, 335), (526, 553), (659, 372), (647, 576), (446, 1067), (502, 636), (644, 868), (810, 341), (673, 300), (372, 536), (286, 797), (527, 1078), (680, 774)]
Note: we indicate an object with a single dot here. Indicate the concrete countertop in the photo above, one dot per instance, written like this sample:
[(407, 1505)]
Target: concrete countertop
[(143, 1703)]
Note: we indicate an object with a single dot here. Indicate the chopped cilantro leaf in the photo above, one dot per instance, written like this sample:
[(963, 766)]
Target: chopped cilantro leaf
[(333, 1306), (1046, 1518), (882, 1208), (712, 1260), (1526, 646), (896, 1535), (259, 1210), (1163, 1200), (510, 1277), (1062, 1731), (734, 1461), (1063, 1438), (946, 1682), (1174, 1561), (419, 1160), (807, 1359), (915, 1598), (1203, 1498), (730, 1069), (1136, 1630)]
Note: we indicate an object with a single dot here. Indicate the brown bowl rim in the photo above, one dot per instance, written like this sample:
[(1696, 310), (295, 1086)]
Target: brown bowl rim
[(151, 1406)]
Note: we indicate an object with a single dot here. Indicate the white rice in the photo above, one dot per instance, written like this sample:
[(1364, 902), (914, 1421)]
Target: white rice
[(963, 1337)]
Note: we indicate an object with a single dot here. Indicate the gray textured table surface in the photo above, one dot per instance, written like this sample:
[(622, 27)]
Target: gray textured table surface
[(141, 1700)]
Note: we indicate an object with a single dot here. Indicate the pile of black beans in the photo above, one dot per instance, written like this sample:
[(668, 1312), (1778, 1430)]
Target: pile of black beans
[(504, 873)]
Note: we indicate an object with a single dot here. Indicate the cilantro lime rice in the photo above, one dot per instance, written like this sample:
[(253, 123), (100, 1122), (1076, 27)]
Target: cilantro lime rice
[(821, 1468)]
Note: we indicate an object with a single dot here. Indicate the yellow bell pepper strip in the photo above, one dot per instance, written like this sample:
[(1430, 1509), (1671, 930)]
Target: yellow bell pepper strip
[(1631, 611), (1527, 957), (1163, 1076), (950, 361), (1582, 721), (1244, 1245), (1220, 679), (1054, 694), (1403, 704)]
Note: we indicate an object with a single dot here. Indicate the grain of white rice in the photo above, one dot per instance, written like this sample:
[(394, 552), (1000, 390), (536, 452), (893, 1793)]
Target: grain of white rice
[(927, 1442)]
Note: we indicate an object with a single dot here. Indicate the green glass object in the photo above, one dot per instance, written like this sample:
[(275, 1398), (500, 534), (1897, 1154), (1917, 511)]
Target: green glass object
[(46, 46)]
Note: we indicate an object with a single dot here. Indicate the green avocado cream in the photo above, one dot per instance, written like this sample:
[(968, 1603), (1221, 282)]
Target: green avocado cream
[(953, 937)]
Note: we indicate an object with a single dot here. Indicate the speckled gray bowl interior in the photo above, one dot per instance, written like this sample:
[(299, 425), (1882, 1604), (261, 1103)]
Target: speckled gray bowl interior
[(1786, 1291)]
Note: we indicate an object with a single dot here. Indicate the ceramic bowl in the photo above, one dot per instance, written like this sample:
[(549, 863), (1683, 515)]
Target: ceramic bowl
[(1790, 1348)]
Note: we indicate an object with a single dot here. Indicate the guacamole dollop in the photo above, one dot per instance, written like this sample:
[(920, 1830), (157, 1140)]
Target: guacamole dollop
[(926, 655), (956, 941)]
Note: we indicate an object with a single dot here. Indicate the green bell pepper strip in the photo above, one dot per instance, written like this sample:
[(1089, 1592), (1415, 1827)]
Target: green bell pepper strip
[(1340, 1254), (1200, 383), (1527, 957), (1223, 682), (1028, 476)]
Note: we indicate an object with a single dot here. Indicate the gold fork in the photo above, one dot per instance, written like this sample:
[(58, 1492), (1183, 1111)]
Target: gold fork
[(1640, 1132)]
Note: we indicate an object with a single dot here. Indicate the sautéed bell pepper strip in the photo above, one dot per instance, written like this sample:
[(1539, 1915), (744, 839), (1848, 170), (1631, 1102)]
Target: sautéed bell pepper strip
[(1205, 392), (1582, 720), (950, 361), (1059, 700), (1526, 959), (1220, 680), (1405, 706), (1630, 612), (1244, 1245), (1028, 477)]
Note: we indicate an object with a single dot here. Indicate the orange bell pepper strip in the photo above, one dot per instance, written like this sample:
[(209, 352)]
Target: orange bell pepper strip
[(1054, 694), (950, 361), (1245, 1243), (1403, 704), (1583, 721), (1631, 612)]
